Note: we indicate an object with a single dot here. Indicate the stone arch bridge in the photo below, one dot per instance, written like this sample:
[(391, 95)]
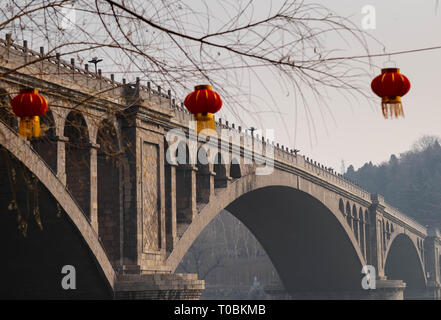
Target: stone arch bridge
[(128, 216)]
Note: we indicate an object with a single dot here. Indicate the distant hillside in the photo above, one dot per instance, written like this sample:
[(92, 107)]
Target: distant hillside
[(410, 182)]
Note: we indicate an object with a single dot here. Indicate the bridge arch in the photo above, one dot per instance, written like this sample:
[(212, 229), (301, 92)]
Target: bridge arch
[(235, 170), (319, 233), (348, 214), (403, 262), (220, 168), (185, 176), (78, 159), (203, 176), (341, 207), (46, 145), (355, 221), (109, 187), (72, 237)]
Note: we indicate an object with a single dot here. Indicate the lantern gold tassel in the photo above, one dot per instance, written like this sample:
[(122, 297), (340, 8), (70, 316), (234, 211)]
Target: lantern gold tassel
[(204, 121), (392, 106), (29, 127)]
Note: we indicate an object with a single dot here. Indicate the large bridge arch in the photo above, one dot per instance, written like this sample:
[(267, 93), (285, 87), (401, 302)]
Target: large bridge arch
[(308, 240), (76, 222), (403, 262)]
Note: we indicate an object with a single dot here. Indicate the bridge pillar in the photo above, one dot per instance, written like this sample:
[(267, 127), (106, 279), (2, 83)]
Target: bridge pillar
[(386, 290), (205, 194), (212, 175), (377, 249), (364, 236), (94, 186), (432, 251), (159, 286), (61, 158), (186, 193), (275, 291), (356, 223), (433, 290), (170, 209)]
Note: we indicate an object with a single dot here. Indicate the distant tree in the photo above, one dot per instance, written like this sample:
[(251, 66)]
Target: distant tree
[(424, 142), (205, 255)]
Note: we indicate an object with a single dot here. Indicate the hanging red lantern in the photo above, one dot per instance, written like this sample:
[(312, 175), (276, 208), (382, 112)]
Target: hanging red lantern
[(390, 86), (29, 106), (203, 102)]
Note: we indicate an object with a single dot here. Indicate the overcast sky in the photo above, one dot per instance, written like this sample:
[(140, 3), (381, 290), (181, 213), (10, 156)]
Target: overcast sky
[(364, 135), (359, 132)]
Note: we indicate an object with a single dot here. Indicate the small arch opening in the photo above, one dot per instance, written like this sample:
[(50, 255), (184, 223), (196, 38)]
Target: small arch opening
[(348, 214), (184, 184), (78, 159), (235, 171), (367, 234), (341, 206), (355, 221), (203, 177), (220, 179), (46, 145), (109, 192), (403, 263)]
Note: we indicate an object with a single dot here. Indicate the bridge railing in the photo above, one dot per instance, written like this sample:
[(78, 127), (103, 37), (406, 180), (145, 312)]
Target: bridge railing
[(25, 58), (50, 67), (335, 178), (406, 219), (281, 154)]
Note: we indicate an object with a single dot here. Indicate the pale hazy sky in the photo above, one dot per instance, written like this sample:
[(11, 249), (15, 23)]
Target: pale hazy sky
[(360, 133), (364, 135)]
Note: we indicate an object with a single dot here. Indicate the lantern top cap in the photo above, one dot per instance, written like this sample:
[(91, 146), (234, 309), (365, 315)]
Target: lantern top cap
[(29, 90), (203, 86), (384, 70)]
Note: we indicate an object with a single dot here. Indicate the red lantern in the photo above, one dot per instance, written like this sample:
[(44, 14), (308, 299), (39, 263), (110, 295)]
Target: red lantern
[(390, 86), (202, 103), (29, 106)]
